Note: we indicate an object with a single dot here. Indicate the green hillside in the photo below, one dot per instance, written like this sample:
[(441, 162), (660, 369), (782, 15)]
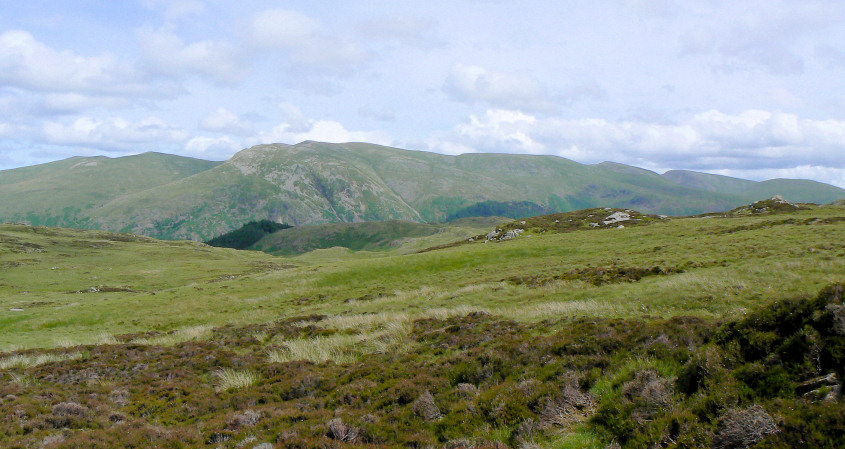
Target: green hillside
[(723, 331), (795, 190), (313, 183), (65, 193)]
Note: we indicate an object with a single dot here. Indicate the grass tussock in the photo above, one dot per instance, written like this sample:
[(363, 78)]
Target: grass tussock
[(229, 379), (379, 333), (24, 361)]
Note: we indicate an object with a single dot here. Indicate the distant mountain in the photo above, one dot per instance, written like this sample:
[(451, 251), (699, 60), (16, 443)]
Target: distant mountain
[(65, 193), (796, 190), (313, 182)]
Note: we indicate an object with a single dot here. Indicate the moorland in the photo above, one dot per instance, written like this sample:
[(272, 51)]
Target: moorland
[(722, 330)]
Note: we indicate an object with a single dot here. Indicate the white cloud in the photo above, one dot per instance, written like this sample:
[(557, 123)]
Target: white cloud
[(218, 148), (751, 140), (297, 128), (165, 53), (113, 133), (829, 175), (324, 131), (224, 121), (28, 64), (474, 84)]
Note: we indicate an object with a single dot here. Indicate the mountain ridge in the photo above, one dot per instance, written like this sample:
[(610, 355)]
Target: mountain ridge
[(314, 182)]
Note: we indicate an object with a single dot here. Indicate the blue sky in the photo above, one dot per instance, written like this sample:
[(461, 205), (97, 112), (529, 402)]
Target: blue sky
[(753, 89)]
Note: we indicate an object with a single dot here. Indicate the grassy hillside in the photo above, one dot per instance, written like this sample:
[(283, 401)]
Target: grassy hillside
[(314, 183), (729, 264), (689, 332), (65, 193), (796, 190)]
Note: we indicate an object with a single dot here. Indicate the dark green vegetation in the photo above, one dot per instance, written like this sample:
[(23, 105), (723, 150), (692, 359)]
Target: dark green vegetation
[(367, 236), (247, 235), (720, 331), (313, 182), (467, 381), (509, 209)]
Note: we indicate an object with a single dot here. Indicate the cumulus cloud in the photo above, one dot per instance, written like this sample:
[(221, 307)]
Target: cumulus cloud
[(304, 40), (297, 128), (28, 64), (325, 131), (165, 53), (217, 148), (224, 121), (754, 139), (113, 133)]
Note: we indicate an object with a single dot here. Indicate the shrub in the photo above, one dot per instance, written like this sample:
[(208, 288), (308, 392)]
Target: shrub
[(339, 430), (425, 408), (743, 428)]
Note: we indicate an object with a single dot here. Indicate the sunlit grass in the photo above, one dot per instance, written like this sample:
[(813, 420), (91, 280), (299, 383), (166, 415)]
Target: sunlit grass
[(229, 379), (28, 361), (177, 285)]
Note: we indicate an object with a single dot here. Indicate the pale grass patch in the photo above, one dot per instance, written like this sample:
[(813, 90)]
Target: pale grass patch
[(363, 322), (66, 343), (179, 336), (339, 348), (557, 309), (28, 361), (379, 333), (715, 283), (106, 339), (230, 379), (391, 337)]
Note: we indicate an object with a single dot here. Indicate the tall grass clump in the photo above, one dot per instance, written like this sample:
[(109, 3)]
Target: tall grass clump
[(337, 348), (379, 333), (229, 379), (28, 361)]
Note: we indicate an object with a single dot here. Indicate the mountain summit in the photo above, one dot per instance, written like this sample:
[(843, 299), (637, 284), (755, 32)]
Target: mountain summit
[(312, 182)]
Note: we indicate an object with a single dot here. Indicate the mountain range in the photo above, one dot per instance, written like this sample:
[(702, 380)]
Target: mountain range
[(176, 197)]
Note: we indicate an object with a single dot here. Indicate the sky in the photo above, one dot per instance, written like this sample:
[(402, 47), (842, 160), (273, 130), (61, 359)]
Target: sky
[(751, 89)]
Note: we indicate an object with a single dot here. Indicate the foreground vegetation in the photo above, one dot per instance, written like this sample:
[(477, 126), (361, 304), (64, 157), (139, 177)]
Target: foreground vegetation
[(701, 332)]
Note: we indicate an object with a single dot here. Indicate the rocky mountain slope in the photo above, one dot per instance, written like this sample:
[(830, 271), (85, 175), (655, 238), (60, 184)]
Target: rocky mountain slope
[(315, 182)]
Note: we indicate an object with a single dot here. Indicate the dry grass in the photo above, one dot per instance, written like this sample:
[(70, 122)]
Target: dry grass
[(230, 379), (377, 333), (337, 348), (28, 361)]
